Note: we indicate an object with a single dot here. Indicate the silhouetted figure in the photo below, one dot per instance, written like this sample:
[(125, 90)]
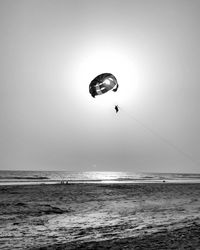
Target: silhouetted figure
[(116, 108)]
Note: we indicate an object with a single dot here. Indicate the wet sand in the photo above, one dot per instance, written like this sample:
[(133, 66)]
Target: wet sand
[(184, 238), (100, 216)]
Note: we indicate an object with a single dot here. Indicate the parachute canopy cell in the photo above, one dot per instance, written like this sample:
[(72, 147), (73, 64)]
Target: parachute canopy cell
[(102, 84)]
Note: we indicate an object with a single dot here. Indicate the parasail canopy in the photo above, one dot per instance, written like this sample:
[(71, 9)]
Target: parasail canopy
[(102, 84)]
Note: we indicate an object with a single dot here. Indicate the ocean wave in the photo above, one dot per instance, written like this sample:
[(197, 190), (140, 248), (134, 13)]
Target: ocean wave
[(137, 179), (24, 177)]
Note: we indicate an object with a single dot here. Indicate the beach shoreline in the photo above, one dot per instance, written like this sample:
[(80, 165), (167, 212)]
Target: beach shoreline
[(100, 216)]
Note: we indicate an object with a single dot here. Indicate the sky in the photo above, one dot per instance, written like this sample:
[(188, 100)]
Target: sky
[(52, 50)]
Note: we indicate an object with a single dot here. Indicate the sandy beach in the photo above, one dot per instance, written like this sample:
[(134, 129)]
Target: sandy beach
[(100, 216)]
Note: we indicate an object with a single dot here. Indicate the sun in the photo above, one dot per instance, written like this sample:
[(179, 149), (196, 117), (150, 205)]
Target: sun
[(112, 60)]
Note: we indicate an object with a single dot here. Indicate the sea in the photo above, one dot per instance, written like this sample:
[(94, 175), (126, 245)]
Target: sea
[(52, 177)]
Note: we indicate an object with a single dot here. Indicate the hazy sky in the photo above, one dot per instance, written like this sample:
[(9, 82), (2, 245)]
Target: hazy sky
[(49, 53)]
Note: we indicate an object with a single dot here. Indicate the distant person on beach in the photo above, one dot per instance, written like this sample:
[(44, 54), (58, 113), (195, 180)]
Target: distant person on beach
[(64, 182)]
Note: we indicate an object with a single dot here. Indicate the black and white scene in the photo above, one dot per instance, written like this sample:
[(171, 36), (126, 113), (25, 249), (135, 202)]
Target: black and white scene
[(99, 124)]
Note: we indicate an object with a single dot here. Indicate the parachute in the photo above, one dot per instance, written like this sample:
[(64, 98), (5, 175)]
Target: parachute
[(102, 84)]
